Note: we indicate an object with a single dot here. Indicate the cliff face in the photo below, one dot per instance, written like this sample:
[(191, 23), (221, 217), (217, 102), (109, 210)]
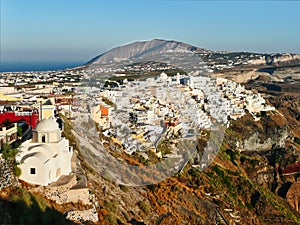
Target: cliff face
[(283, 60), (270, 132), (275, 138), (278, 60), (236, 188)]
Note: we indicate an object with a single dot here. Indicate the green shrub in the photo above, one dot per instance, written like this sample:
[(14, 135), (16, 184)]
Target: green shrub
[(232, 155), (194, 172), (8, 152), (297, 140), (144, 207), (152, 187), (124, 188), (16, 170), (248, 205), (111, 206), (111, 218)]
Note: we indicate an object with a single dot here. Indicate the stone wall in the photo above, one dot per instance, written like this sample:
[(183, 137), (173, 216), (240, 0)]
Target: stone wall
[(7, 178), (61, 196), (65, 193), (79, 195), (85, 215)]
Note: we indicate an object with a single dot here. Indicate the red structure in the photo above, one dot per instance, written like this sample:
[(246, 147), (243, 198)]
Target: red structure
[(31, 117), (292, 169), (171, 122)]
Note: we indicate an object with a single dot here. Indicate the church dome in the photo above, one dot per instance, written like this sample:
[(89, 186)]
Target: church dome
[(163, 75), (47, 125)]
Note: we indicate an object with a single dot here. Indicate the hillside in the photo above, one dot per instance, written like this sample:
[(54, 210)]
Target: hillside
[(238, 186), (241, 186), (253, 178)]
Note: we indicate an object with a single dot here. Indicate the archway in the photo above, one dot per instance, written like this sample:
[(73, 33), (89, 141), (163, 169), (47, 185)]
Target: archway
[(43, 138)]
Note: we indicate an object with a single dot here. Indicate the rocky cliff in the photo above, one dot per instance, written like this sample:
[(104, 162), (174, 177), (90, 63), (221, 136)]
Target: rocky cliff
[(277, 60), (239, 187), (283, 59)]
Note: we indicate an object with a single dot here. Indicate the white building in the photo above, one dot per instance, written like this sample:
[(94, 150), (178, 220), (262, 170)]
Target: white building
[(47, 156), (8, 134)]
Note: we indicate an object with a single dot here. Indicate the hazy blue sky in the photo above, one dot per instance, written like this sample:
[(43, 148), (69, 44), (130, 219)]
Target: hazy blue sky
[(77, 30)]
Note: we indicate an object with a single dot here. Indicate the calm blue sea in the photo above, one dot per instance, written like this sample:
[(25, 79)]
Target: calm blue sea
[(36, 66)]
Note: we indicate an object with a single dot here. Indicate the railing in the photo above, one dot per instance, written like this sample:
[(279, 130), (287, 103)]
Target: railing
[(6, 128), (221, 217), (23, 113)]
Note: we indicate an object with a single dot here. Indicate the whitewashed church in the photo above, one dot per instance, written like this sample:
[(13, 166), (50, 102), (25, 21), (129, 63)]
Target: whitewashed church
[(47, 156)]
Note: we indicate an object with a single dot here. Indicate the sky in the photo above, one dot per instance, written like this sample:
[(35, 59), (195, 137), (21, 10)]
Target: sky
[(78, 30)]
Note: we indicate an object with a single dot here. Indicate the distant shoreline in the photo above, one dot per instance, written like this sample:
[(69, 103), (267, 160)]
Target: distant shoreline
[(36, 66)]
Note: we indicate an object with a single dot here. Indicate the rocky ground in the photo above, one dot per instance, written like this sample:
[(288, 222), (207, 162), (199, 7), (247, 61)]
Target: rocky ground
[(236, 187), (239, 187)]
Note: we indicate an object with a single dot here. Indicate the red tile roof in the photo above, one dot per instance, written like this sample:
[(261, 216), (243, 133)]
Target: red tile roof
[(104, 111), (291, 169)]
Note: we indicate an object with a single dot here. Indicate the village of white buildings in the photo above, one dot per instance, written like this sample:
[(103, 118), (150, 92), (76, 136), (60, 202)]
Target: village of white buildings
[(133, 113), (136, 114)]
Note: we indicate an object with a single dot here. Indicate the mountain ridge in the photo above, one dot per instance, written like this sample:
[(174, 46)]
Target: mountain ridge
[(140, 48), (145, 50)]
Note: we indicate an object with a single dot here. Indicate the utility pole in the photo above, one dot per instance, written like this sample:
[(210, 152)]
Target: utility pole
[(69, 108), (41, 109)]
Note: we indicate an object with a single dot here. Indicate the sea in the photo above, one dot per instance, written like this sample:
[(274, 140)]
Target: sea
[(36, 66)]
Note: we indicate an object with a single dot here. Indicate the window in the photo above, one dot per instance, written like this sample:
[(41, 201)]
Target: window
[(43, 138), (32, 170)]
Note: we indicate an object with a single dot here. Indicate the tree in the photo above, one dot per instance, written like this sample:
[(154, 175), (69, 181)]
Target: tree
[(20, 131), (6, 122), (8, 152)]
